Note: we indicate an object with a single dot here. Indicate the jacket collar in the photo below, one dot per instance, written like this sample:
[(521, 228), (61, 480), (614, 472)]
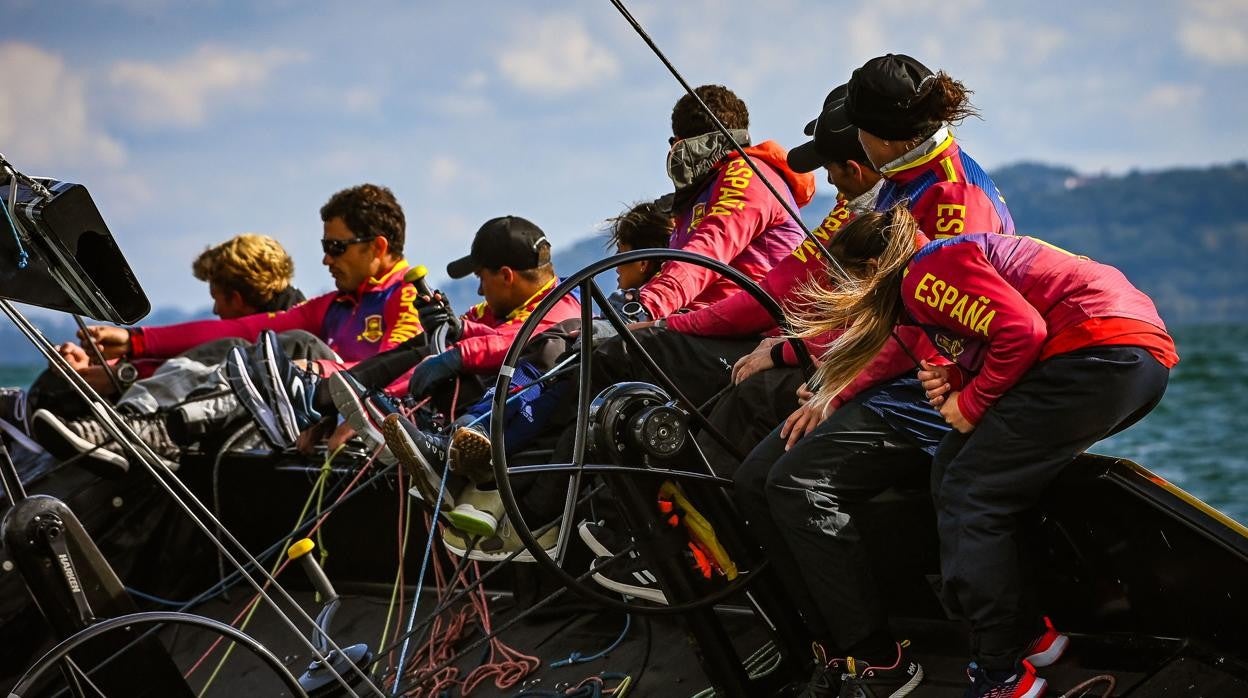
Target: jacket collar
[(911, 165), (391, 277)]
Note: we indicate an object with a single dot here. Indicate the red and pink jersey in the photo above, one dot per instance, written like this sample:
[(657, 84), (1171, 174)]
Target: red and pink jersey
[(487, 337), (375, 317), (740, 314), (995, 305), (948, 194), (735, 220)]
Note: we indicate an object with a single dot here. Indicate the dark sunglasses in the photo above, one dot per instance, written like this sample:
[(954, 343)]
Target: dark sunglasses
[(335, 248)]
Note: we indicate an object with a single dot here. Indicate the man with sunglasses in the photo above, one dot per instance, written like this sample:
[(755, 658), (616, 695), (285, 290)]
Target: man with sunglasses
[(371, 310)]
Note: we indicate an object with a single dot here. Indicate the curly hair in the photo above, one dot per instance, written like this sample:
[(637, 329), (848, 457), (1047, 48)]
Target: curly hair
[(641, 227), (256, 266), (369, 210), (689, 119)]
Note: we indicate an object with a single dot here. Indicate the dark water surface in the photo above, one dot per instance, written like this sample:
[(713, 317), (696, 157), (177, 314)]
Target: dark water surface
[(1197, 437)]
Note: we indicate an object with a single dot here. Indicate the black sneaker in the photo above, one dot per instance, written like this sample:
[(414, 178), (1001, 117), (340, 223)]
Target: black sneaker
[(423, 456), (86, 441), (825, 677), (628, 576), (288, 389), (270, 367), (1023, 683), (600, 540), (892, 680), (238, 375), (364, 410)]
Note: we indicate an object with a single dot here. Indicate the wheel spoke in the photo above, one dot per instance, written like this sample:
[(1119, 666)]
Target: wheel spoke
[(602, 468)]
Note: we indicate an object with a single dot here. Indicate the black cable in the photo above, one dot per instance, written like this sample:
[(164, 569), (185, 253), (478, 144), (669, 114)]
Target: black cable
[(645, 657)]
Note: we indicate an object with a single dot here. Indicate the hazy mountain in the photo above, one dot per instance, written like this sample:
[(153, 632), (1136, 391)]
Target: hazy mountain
[(1181, 235)]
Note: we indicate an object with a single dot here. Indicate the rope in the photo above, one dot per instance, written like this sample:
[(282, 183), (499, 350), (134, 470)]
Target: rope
[(318, 491), (501, 564), (23, 257), (577, 658), (1110, 684), (405, 515), (280, 566), (506, 665)]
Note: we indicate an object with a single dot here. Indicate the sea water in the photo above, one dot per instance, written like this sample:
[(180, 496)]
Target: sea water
[(1197, 437)]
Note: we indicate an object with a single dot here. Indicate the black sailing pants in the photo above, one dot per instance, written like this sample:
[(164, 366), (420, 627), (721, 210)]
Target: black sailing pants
[(983, 480), (802, 507)]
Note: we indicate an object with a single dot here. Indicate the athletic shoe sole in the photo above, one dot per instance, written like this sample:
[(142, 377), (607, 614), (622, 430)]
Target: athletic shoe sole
[(359, 415), (471, 456), (587, 536), (1050, 655), (62, 442), (275, 369), (473, 521), (239, 379), (647, 593), (424, 477), (1036, 689)]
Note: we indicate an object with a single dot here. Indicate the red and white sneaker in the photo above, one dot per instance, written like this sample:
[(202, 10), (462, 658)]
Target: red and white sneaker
[(1048, 648), (1023, 684)]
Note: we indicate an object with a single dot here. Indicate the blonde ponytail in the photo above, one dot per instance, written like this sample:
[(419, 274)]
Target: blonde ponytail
[(865, 300)]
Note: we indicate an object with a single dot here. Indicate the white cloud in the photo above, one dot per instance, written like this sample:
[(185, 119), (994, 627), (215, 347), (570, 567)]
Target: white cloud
[(1216, 32), (44, 116), (181, 93), (444, 170), (463, 105), (554, 56), (1172, 95), (361, 100), (476, 80)]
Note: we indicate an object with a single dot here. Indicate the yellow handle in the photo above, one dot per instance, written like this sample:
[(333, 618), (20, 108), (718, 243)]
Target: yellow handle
[(300, 548)]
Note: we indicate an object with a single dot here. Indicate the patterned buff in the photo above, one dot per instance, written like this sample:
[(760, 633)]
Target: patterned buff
[(692, 160)]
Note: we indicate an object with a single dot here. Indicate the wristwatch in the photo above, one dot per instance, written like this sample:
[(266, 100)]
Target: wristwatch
[(127, 373)]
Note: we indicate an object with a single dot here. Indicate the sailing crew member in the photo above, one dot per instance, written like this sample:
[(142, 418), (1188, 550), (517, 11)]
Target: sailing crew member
[(802, 486), (1050, 352), (371, 310)]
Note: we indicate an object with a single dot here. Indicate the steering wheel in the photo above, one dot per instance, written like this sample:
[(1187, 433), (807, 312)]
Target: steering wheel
[(60, 653), (621, 477)]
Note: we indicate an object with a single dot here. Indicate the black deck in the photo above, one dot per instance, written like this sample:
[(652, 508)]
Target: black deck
[(1174, 575)]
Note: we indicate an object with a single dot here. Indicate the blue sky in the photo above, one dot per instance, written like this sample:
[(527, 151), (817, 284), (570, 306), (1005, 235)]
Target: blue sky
[(193, 121)]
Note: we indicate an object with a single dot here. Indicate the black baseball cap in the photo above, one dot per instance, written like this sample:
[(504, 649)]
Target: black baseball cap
[(509, 241), (835, 140), (886, 97)]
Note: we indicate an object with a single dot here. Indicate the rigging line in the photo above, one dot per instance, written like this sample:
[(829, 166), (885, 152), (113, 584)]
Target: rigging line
[(318, 494), (342, 499), (519, 617), (115, 425), (476, 583), (719, 126)]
